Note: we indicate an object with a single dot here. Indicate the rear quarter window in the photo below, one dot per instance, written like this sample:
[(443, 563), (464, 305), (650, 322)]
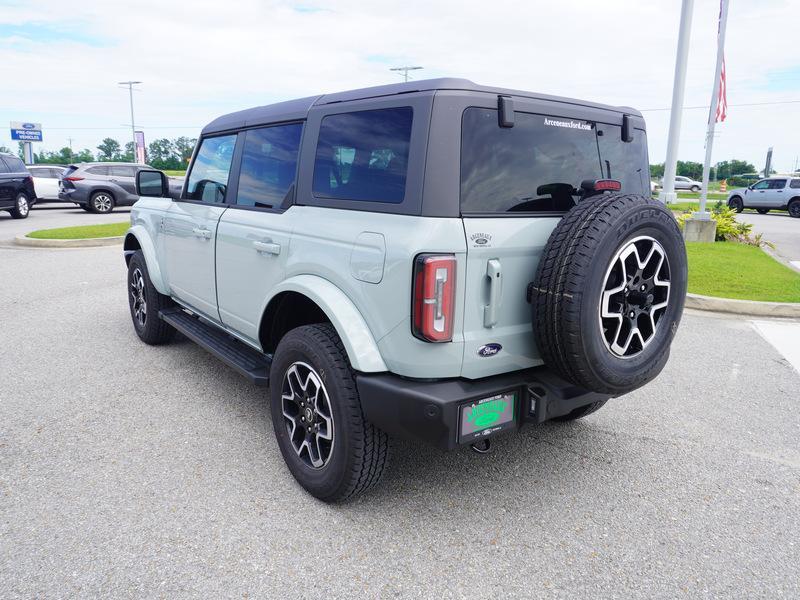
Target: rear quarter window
[(15, 165), (795, 184), (363, 155)]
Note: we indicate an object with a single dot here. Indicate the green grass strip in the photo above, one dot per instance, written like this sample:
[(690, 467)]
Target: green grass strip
[(739, 271), (81, 232)]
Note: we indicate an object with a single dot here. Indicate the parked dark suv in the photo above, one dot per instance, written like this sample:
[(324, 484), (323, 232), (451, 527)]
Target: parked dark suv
[(99, 187), (16, 187)]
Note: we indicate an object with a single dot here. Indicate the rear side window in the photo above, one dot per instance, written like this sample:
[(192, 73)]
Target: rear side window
[(364, 155), (208, 179), (795, 184), (120, 171), (269, 163), (15, 165), (3, 166), (777, 184), (97, 170)]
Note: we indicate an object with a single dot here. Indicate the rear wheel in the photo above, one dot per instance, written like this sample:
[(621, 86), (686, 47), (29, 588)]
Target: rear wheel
[(101, 202), (328, 445), (762, 211), (736, 204), (22, 207), (794, 208), (609, 293)]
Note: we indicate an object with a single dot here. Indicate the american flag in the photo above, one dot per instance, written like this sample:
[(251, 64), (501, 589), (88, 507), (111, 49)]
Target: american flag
[(722, 98)]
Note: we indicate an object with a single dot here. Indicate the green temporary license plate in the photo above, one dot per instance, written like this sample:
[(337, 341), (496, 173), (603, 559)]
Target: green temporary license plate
[(487, 416)]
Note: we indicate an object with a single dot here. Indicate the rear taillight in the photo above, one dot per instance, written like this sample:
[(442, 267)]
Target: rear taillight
[(73, 178), (607, 185), (434, 295)]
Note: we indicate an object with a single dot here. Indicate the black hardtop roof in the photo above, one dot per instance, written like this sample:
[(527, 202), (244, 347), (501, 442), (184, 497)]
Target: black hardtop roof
[(294, 110)]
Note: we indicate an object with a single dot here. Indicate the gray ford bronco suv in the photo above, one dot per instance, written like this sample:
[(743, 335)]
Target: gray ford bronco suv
[(435, 260)]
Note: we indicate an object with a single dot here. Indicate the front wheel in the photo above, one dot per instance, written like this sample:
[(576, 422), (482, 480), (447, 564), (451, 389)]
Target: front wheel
[(101, 202), (736, 204), (22, 207), (762, 211), (328, 445), (145, 303), (695, 188)]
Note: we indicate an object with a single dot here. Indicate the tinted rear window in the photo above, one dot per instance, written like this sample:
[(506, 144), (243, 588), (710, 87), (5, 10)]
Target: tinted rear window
[(539, 164), (795, 183), (121, 171), (364, 155), (14, 164)]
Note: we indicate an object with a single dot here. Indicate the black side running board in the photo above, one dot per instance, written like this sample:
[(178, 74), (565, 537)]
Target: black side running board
[(244, 359)]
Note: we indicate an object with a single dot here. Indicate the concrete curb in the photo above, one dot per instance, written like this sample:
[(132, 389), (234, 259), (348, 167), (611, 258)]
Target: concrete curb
[(21, 240), (748, 308)]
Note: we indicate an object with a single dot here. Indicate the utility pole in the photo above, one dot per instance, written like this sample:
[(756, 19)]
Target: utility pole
[(405, 71), (69, 139), (667, 194), (712, 112), (130, 85)]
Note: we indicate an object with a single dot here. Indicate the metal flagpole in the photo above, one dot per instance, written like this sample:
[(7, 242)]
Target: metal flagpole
[(702, 214), (667, 194)]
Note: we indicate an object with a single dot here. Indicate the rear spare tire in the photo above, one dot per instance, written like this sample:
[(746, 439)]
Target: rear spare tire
[(609, 292)]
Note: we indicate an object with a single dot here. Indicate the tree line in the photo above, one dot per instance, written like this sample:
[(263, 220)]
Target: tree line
[(163, 153), (694, 170)]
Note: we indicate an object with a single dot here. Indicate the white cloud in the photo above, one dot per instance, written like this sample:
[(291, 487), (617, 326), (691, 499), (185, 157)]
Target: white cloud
[(199, 59)]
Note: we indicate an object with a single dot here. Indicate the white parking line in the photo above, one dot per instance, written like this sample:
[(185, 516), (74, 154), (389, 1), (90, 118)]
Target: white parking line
[(784, 336)]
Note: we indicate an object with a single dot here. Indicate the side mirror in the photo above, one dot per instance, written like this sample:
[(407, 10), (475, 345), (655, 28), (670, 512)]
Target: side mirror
[(152, 183)]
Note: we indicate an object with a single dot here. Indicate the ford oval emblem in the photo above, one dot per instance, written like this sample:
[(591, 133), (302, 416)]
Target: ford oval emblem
[(489, 349), (28, 126)]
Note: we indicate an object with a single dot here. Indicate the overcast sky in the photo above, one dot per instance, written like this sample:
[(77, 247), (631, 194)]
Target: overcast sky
[(60, 61)]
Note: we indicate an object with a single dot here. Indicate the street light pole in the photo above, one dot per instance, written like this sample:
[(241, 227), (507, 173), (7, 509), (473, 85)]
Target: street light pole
[(130, 85), (405, 71), (667, 194)]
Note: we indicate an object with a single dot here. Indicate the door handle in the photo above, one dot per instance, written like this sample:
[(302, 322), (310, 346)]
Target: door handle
[(201, 233), (269, 247), (495, 275)]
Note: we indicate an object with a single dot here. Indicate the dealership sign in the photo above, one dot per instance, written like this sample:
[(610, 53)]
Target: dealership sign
[(26, 132)]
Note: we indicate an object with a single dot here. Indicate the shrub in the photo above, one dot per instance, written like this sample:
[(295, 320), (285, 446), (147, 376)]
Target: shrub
[(728, 228)]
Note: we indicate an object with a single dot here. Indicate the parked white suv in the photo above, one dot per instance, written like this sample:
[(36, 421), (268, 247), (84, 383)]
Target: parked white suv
[(434, 259), (772, 193)]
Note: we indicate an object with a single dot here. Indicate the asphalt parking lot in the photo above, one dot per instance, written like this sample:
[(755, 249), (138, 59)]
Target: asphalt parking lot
[(780, 229), (133, 471)]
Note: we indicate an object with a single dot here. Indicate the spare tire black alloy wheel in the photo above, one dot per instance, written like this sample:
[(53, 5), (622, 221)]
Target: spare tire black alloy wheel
[(609, 292), (635, 296), (307, 414)]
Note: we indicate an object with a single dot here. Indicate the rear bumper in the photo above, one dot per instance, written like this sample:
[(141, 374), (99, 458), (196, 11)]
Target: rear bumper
[(430, 410)]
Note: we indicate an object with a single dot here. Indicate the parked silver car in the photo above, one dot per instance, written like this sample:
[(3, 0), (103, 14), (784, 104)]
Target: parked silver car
[(773, 193), (685, 183)]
